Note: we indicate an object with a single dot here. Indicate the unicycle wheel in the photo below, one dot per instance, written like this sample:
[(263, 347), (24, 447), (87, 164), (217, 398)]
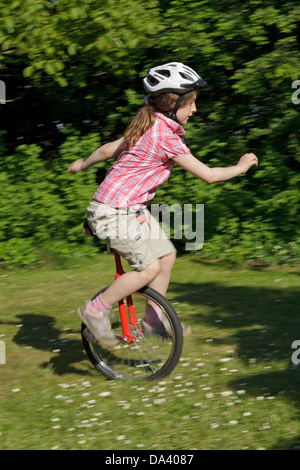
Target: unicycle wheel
[(145, 354)]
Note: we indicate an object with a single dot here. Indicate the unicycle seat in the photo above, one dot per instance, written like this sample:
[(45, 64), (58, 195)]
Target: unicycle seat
[(86, 229)]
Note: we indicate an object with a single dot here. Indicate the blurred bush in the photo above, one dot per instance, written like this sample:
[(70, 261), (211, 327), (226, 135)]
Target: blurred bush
[(73, 75)]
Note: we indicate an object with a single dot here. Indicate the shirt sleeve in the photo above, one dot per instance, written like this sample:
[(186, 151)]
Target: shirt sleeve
[(172, 146)]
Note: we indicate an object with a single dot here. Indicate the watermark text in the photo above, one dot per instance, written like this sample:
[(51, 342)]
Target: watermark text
[(159, 222), (2, 353), (296, 94), (296, 353), (2, 92)]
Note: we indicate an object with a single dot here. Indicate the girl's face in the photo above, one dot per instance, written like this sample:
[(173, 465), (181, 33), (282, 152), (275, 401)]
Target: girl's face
[(186, 111)]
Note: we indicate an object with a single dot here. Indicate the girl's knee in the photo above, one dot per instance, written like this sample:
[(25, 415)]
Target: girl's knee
[(151, 271), (168, 261), (172, 257)]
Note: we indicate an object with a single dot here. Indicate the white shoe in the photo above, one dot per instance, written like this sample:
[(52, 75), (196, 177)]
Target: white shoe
[(98, 324)]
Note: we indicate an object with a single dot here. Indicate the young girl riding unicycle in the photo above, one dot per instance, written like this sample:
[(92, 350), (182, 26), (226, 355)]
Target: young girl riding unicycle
[(151, 145)]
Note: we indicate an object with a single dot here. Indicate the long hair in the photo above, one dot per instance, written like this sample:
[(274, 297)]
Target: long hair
[(145, 118)]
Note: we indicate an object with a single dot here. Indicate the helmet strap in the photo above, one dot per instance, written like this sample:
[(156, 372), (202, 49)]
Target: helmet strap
[(176, 107), (149, 102), (171, 114)]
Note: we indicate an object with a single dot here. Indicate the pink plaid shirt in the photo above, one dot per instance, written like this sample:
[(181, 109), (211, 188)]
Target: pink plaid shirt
[(135, 176)]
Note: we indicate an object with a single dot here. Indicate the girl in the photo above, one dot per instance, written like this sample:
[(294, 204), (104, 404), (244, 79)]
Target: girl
[(152, 144)]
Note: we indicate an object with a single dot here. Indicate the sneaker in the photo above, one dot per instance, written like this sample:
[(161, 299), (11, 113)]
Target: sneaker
[(157, 329), (163, 329), (99, 327)]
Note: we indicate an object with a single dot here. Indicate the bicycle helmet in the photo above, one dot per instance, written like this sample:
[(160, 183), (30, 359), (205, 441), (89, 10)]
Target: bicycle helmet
[(173, 77)]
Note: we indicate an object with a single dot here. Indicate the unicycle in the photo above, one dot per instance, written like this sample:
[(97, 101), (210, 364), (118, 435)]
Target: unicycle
[(138, 353)]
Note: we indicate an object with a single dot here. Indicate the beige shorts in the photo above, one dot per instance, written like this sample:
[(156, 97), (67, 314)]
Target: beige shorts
[(137, 238)]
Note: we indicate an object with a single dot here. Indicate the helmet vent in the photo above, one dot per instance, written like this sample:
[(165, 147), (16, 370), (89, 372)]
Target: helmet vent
[(165, 73), (186, 76), (152, 80)]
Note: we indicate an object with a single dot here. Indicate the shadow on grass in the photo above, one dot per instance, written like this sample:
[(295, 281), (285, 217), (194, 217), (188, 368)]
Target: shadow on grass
[(262, 324), (40, 332)]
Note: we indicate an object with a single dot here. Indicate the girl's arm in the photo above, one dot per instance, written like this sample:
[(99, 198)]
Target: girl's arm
[(106, 151), (213, 175)]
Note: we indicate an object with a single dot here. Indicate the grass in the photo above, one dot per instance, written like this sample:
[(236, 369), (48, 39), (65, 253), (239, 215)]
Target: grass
[(234, 388)]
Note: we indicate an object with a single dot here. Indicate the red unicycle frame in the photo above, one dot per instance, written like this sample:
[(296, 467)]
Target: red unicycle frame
[(127, 335)]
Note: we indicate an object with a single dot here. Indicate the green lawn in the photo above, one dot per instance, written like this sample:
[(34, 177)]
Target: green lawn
[(234, 388)]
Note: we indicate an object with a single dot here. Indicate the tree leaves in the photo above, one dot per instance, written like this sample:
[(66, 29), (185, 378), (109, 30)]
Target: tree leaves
[(82, 63)]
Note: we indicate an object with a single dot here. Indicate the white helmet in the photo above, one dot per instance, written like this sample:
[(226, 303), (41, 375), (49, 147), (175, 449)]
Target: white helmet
[(174, 77)]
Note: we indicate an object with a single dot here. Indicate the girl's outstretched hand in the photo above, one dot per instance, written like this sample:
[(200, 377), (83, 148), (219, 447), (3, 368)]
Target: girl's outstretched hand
[(246, 161), (76, 167)]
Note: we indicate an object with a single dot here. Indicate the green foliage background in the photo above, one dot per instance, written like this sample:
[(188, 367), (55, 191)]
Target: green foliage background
[(73, 74)]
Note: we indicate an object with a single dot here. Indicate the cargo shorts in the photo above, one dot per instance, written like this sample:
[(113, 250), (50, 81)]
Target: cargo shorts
[(135, 234)]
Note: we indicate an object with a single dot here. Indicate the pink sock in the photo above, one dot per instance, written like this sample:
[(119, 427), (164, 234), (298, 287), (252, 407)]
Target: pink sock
[(98, 305), (153, 315)]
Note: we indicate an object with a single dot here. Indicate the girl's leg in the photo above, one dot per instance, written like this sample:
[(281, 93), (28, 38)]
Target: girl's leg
[(95, 314), (160, 284), (130, 282), (153, 315), (157, 276)]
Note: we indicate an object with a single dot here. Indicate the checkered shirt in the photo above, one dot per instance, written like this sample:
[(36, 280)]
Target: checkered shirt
[(135, 176)]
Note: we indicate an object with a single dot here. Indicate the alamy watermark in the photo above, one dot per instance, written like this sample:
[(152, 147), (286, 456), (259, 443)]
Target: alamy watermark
[(188, 222), (296, 94), (2, 353), (2, 92), (296, 354), (160, 221)]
